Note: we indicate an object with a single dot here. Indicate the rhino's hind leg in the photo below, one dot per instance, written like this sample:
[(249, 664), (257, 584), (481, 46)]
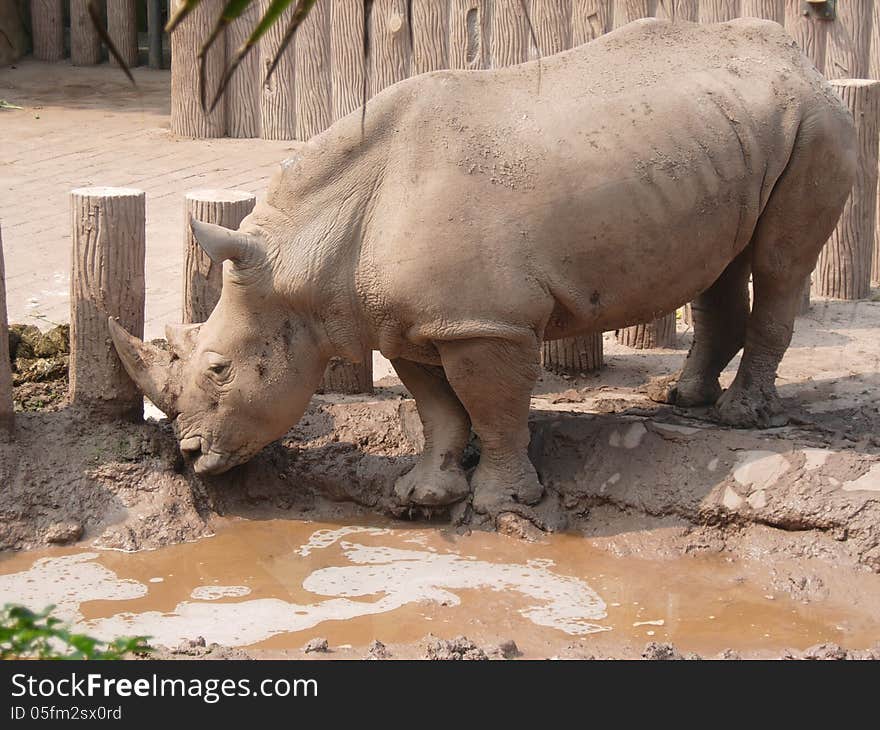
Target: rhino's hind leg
[(494, 378), (437, 478), (720, 316), (791, 231)]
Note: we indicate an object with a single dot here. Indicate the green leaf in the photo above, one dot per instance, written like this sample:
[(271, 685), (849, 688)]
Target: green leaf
[(231, 11), (185, 8)]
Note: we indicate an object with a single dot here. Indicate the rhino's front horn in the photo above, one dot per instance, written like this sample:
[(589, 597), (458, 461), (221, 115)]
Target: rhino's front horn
[(149, 367), (221, 243)]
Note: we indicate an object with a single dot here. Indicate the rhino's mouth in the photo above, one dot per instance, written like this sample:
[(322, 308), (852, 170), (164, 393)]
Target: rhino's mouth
[(205, 460)]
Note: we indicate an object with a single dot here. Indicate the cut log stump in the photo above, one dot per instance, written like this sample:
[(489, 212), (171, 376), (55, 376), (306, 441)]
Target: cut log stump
[(85, 45), (659, 333), (7, 414), (573, 355), (107, 280), (844, 267), (47, 29), (202, 277), (122, 29)]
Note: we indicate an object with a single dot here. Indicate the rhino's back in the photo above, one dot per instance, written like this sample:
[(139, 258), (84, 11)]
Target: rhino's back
[(582, 187)]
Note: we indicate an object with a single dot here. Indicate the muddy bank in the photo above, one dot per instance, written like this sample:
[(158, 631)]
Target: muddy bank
[(125, 486)]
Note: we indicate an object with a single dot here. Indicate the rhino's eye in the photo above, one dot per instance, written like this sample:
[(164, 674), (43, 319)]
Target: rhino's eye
[(218, 367)]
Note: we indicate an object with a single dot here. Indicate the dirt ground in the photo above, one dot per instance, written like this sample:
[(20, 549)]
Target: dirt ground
[(634, 477)]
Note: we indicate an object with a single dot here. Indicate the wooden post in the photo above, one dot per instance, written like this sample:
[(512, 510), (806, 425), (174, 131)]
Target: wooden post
[(718, 11), (469, 29), (277, 111), (849, 41), (345, 377), (844, 267), (573, 355), (346, 55), (659, 333), (47, 28), (312, 80), (202, 278), (389, 45), (767, 9), (85, 45), (430, 24), (242, 97), (590, 19), (626, 11), (187, 117), (551, 20), (107, 280), (875, 74), (509, 43), (679, 11), (155, 31), (122, 29), (7, 412), (810, 33)]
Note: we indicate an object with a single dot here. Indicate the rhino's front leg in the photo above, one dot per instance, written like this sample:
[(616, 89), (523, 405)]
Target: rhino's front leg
[(494, 378), (437, 479)]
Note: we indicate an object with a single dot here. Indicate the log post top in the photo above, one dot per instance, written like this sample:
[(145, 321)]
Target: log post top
[(107, 192), (209, 195)]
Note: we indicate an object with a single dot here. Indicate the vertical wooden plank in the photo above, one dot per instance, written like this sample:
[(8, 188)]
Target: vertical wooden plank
[(430, 35), (552, 22), (718, 11), (187, 117), (242, 97), (7, 412), (844, 267), (107, 280), (590, 19), (849, 41), (47, 29), (810, 33), (389, 45), (874, 72), (312, 80), (626, 11), (469, 30), (509, 44), (679, 10), (277, 109), (85, 45), (346, 56), (155, 32), (767, 9), (202, 278), (122, 29)]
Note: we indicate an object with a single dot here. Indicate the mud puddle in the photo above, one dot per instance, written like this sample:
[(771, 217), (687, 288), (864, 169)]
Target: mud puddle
[(272, 585)]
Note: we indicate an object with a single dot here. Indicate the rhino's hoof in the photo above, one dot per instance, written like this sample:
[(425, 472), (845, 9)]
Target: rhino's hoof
[(742, 409), (496, 493), (693, 393), (431, 487)]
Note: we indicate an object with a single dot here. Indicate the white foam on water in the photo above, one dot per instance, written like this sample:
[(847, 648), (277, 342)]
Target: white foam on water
[(376, 580), (212, 593), (66, 583)]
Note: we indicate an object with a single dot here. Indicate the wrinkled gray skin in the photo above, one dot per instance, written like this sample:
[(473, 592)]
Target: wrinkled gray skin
[(483, 211)]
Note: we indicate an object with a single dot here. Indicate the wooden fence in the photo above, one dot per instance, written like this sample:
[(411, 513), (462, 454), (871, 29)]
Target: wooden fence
[(321, 75)]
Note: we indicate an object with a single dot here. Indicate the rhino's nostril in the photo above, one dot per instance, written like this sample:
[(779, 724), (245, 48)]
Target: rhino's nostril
[(191, 445)]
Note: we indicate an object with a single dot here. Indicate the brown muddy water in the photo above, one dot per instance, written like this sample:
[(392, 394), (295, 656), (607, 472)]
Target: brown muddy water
[(272, 585)]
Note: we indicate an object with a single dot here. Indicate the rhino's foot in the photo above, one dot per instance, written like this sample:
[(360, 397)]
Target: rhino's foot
[(755, 408), (501, 490), (693, 392), (431, 486)]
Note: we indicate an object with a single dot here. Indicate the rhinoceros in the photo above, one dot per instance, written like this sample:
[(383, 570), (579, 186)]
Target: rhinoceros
[(472, 214)]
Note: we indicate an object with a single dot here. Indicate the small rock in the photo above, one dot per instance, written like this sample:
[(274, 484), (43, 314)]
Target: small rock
[(62, 533), (317, 644), (378, 650), (460, 648), (568, 396), (507, 649), (655, 651), (513, 525), (826, 652), (730, 654)]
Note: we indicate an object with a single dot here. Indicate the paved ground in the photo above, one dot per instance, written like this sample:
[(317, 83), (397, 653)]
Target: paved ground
[(87, 126)]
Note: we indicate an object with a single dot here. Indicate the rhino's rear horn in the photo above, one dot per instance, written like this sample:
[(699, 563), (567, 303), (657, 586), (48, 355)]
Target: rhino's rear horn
[(222, 244)]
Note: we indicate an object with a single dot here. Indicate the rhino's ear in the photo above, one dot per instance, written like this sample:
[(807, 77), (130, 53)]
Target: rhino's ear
[(222, 244), (182, 338)]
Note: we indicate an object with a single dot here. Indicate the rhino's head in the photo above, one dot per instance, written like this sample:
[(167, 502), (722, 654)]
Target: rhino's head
[(243, 378)]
